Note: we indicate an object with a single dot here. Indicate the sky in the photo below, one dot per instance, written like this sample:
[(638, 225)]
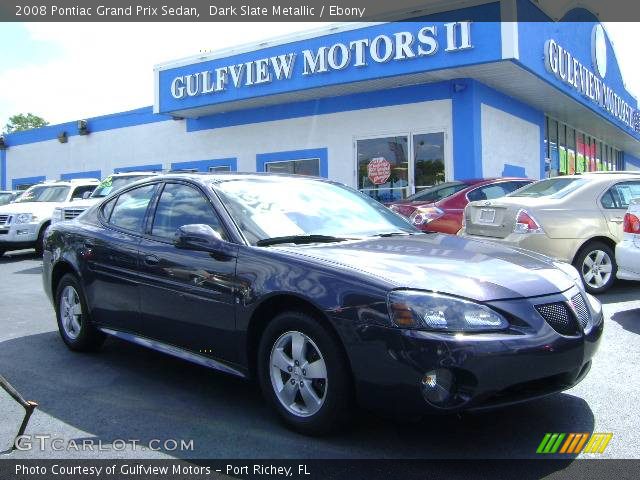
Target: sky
[(69, 71)]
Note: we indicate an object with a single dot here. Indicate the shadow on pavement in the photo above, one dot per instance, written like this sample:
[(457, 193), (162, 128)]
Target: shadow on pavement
[(18, 256), (128, 392), (628, 319), (621, 291)]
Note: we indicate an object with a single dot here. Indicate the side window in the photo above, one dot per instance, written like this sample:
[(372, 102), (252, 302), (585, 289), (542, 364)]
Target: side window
[(513, 186), (107, 208), (181, 205), (487, 192), (619, 195), (79, 191), (130, 208)]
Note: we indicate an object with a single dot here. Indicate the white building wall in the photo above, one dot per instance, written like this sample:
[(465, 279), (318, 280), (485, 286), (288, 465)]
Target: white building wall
[(167, 142), (507, 139)]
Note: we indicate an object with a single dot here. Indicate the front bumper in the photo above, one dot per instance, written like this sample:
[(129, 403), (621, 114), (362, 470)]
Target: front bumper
[(16, 236), (563, 249), (481, 371)]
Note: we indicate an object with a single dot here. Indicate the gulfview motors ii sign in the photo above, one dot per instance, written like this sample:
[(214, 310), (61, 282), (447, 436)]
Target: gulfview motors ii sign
[(592, 86), (398, 47)]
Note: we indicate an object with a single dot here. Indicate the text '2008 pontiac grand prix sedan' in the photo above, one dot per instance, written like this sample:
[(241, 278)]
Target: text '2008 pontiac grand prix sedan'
[(325, 296)]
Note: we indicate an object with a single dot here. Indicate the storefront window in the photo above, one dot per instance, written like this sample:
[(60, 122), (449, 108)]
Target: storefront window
[(394, 167), (220, 168), (577, 152), (307, 166), (383, 168), (555, 155), (428, 151)]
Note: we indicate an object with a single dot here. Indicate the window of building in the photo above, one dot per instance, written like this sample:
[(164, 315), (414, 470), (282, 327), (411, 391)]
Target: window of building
[(130, 208), (220, 168), (306, 166), (573, 151), (394, 167)]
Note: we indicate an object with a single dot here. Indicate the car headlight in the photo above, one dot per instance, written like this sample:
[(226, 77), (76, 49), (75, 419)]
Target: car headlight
[(56, 216), (433, 311), (571, 272), (24, 218)]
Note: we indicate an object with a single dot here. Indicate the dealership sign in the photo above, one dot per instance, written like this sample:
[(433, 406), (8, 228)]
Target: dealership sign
[(404, 46), (569, 70)]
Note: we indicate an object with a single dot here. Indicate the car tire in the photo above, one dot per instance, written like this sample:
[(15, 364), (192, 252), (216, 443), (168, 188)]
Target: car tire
[(74, 321), (39, 246), (597, 265), (321, 399)]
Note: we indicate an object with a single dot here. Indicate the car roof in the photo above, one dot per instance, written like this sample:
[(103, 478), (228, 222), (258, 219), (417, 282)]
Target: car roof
[(205, 177)]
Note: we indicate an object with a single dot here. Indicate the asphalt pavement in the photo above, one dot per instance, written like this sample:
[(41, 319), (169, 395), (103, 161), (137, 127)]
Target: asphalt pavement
[(126, 395)]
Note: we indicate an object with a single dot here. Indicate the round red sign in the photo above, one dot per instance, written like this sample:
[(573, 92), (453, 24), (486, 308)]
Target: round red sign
[(379, 170)]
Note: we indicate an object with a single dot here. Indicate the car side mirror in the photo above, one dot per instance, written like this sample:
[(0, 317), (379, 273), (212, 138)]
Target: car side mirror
[(203, 238), (86, 195)]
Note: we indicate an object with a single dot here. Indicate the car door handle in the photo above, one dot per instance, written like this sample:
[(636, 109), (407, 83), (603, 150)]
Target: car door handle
[(151, 260)]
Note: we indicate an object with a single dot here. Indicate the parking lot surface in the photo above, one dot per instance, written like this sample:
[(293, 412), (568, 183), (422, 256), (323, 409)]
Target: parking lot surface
[(126, 392)]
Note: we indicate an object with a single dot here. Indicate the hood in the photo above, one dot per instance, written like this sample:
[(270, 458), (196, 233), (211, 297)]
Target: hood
[(481, 271), (85, 203), (36, 208)]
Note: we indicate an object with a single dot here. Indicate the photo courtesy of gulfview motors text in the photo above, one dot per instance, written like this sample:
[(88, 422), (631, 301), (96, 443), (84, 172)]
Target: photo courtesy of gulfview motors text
[(317, 240)]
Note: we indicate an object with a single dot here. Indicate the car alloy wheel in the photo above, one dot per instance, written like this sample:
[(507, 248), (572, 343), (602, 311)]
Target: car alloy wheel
[(298, 374), (597, 268), (71, 312)]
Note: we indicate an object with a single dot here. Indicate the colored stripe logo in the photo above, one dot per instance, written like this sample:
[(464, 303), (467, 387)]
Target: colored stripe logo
[(574, 443)]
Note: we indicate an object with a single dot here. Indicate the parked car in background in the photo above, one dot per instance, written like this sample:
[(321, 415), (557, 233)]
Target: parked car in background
[(6, 197), (577, 219), (440, 208), (628, 250), (322, 294), (70, 210), (23, 223)]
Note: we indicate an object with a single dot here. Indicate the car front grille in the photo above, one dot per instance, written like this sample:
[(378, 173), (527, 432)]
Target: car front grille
[(581, 310), (560, 317), (4, 219), (71, 213)]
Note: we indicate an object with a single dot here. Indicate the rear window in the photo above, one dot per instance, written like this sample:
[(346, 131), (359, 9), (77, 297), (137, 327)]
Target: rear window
[(437, 192), (552, 187)]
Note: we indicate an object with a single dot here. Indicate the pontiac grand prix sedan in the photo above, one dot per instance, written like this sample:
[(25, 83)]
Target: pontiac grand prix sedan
[(326, 297)]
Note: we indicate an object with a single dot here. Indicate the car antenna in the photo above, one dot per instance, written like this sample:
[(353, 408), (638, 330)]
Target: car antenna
[(28, 406)]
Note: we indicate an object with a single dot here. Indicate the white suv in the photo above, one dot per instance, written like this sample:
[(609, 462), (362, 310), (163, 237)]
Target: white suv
[(23, 223), (70, 210), (628, 250)]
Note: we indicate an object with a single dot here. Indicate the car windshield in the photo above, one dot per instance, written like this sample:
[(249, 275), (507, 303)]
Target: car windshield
[(44, 193), (552, 187), (270, 207), (111, 184), (437, 192), (5, 198)]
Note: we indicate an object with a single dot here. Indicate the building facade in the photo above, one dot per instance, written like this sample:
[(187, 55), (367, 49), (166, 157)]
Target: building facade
[(388, 108)]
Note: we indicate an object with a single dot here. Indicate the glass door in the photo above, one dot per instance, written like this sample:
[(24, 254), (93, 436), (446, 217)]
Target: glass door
[(391, 168)]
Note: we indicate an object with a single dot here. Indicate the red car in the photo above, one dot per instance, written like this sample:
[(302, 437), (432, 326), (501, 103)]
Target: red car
[(440, 208)]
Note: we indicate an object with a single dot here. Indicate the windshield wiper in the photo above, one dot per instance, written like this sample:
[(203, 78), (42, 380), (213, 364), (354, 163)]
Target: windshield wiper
[(299, 239)]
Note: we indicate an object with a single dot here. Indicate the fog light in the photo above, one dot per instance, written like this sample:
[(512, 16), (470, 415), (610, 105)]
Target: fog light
[(436, 386), (22, 232)]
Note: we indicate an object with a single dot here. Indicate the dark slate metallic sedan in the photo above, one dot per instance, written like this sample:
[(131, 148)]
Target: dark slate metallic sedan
[(325, 296)]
